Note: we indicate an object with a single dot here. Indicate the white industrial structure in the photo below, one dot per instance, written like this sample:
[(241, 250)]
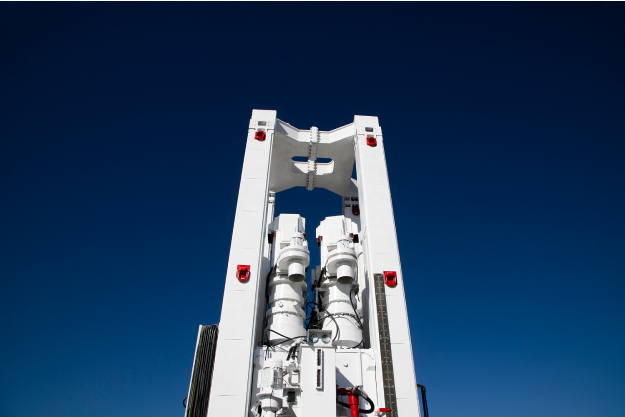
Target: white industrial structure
[(339, 346)]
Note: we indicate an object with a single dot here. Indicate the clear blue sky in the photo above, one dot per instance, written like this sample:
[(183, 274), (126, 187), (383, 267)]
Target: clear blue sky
[(122, 134)]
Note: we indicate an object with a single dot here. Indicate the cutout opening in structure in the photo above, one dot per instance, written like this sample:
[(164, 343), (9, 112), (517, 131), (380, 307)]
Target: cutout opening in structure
[(323, 166), (305, 159)]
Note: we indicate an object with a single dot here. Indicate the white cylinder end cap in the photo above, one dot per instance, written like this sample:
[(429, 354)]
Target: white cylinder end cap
[(297, 271), (345, 274)]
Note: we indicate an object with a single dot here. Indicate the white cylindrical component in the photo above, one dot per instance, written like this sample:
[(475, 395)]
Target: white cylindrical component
[(285, 318), (294, 259), (297, 271), (345, 273), (340, 315), (339, 286), (341, 263), (271, 384)]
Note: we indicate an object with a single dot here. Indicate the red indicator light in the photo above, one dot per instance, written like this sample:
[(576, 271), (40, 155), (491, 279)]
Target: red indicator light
[(243, 273), (390, 278), (260, 135), (371, 141)]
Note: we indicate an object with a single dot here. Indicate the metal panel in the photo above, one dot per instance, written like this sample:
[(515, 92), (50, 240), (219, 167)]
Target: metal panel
[(232, 375), (382, 254), (318, 402)]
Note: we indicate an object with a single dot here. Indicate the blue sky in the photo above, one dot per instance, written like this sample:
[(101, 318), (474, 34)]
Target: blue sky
[(122, 134)]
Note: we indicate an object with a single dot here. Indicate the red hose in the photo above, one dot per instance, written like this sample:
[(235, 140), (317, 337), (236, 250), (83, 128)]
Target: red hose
[(354, 401)]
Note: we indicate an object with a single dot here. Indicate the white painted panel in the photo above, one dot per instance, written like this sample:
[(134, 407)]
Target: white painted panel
[(253, 191), (348, 368), (234, 324), (255, 164), (246, 224), (316, 403), (408, 408), (376, 168), (382, 254), (403, 368), (226, 405), (396, 307), (230, 370), (230, 392)]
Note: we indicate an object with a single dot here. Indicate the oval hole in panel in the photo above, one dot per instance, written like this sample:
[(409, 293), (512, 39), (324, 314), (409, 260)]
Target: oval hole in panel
[(305, 159)]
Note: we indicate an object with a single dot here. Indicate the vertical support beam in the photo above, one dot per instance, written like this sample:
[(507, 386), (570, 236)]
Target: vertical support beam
[(232, 375), (312, 157), (379, 239)]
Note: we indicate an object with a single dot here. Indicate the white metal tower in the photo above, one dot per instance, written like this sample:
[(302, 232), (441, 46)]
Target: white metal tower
[(340, 346)]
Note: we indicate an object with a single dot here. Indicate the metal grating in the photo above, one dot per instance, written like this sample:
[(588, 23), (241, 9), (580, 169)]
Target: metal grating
[(202, 373), (388, 379)]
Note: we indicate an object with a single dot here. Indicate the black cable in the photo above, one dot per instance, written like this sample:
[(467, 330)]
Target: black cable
[(267, 286), (426, 413), (354, 308), (261, 343), (312, 314), (293, 351), (321, 309), (362, 340), (367, 399), (287, 338), (320, 305), (335, 323), (321, 277), (314, 287), (267, 296)]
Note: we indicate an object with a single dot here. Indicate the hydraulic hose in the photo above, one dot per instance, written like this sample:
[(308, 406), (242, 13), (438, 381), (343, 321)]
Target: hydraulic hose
[(353, 394)]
